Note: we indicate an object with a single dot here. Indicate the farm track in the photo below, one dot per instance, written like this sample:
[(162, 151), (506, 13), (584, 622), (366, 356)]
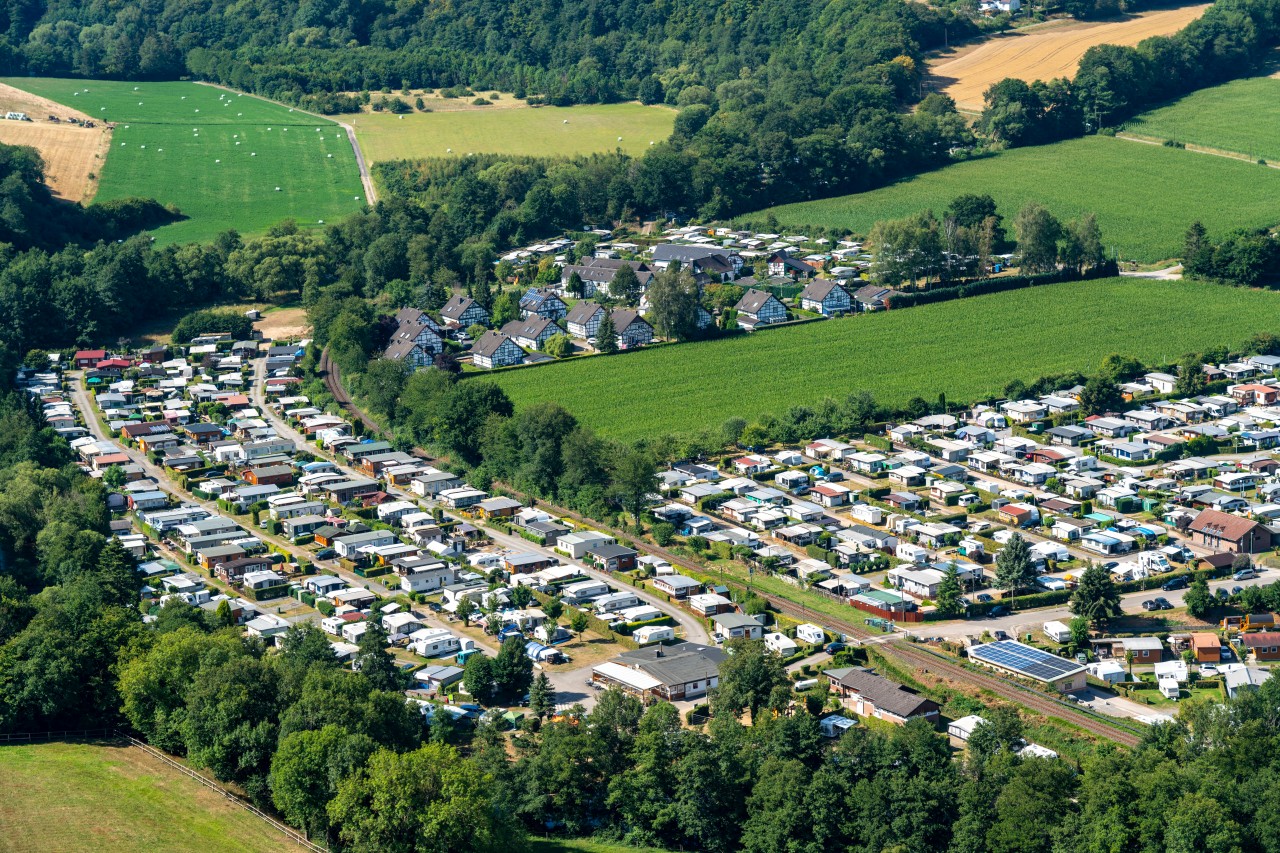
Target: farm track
[(1045, 54), (890, 645)]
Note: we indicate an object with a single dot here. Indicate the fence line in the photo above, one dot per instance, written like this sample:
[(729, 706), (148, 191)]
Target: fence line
[(66, 734), (292, 834)]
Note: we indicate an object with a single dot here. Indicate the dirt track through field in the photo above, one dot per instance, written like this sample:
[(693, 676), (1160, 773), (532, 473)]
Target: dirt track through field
[(71, 153), (1046, 53)]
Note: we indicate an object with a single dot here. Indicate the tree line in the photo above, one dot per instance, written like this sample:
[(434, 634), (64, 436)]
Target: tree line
[(971, 232)]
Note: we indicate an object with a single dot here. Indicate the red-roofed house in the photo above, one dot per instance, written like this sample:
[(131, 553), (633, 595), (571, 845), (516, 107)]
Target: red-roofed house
[(89, 357), (1255, 394)]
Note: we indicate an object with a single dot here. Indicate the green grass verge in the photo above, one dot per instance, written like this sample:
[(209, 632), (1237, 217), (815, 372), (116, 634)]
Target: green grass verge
[(966, 348), (539, 132), (225, 175), (68, 796), (1145, 196), (1242, 116)]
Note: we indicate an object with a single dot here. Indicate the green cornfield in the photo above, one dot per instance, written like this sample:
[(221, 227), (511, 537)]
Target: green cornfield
[(966, 348), (1144, 195), (1242, 116)]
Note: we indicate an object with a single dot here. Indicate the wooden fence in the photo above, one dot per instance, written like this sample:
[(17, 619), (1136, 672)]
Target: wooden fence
[(288, 831)]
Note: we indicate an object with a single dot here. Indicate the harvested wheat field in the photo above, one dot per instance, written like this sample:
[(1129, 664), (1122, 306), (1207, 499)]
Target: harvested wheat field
[(73, 155), (1045, 52)]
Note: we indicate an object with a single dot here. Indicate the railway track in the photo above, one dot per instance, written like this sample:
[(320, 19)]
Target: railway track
[(1026, 696), (920, 658), (890, 646)]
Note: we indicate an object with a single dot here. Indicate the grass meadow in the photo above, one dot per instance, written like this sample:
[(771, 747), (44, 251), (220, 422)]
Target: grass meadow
[(1145, 196), (1242, 116), (539, 132), (115, 799), (967, 349), (217, 155)]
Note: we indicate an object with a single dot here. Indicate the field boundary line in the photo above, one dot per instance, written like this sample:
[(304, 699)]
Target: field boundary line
[(1195, 148), (370, 191), (291, 833)]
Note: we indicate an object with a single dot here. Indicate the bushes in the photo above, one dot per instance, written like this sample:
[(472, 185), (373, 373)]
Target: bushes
[(209, 321)]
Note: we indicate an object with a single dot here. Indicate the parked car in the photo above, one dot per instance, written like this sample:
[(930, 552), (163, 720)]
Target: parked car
[(1001, 635), (1110, 564), (1175, 583), (833, 648), (326, 554), (1150, 605), (999, 610), (1245, 575), (1163, 604), (1236, 590), (984, 598), (1208, 670)]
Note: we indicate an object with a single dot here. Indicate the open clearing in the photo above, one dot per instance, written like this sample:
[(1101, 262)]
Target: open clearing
[(1045, 53), (1242, 116), (1145, 196), (217, 155), (73, 797), (531, 131), (72, 155), (966, 348)]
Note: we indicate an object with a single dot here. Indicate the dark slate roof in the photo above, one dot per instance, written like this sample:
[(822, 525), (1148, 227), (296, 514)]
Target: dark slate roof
[(489, 343), (582, 312), (753, 300), (819, 289), (456, 307), (886, 695), (531, 328), (683, 254), (624, 317)]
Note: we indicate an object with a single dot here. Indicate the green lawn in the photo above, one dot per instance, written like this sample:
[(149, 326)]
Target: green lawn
[(967, 348), (1145, 196), (1241, 116), (541, 131), (112, 799), (218, 155)]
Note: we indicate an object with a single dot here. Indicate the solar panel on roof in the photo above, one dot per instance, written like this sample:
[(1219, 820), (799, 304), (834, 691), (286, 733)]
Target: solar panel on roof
[(1026, 660)]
